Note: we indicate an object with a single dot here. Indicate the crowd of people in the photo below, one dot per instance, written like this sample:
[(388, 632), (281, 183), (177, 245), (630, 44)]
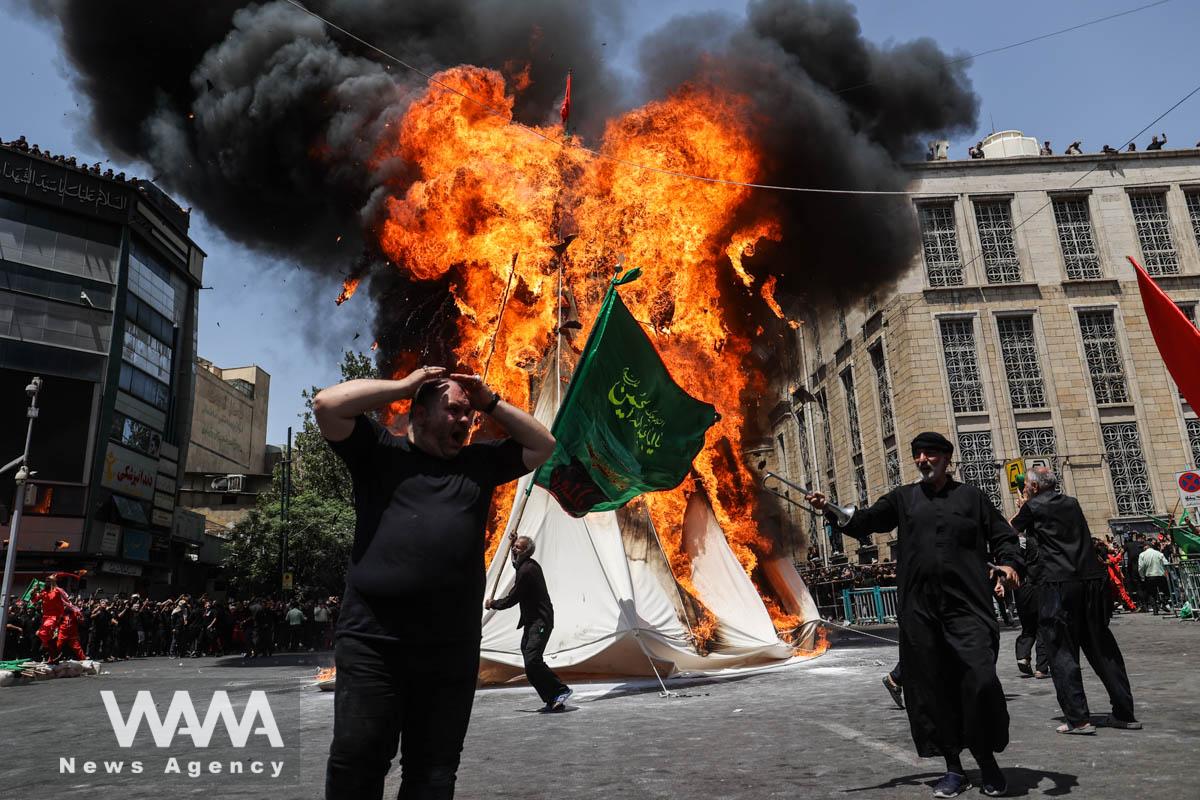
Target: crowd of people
[(940, 150), (1137, 582), (124, 627)]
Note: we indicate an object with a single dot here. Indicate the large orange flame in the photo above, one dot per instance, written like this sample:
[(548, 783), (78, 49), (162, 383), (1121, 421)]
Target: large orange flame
[(488, 191)]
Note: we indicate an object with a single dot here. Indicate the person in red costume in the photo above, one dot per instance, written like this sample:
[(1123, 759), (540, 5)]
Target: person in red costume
[(1112, 560), (60, 621)]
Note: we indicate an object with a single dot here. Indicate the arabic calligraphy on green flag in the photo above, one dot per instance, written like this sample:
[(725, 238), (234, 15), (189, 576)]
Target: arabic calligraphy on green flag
[(625, 428)]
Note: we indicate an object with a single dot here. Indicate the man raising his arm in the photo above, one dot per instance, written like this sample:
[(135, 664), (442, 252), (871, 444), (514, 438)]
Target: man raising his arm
[(407, 640)]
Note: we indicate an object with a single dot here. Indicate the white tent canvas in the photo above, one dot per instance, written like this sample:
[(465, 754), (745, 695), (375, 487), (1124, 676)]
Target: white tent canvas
[(617, 607)]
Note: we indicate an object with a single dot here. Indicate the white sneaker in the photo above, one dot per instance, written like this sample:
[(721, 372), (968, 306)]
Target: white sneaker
[(560, 702)]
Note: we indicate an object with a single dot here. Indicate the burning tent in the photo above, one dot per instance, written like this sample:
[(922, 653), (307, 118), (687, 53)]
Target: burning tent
[(618, 608)]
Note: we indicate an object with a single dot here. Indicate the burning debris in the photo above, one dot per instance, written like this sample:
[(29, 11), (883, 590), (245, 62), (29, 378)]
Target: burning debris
[(299, 138)]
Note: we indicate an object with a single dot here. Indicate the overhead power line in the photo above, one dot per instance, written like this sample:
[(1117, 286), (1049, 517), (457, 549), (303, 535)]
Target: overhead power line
[(504, 113)]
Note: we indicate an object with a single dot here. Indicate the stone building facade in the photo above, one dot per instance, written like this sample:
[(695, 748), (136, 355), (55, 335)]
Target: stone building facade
[(1018, 331)]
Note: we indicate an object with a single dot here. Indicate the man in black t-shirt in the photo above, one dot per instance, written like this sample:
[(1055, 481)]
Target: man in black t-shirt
[(407, 640), (537, 618)]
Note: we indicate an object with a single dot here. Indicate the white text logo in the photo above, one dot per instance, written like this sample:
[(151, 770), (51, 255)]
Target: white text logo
[(181, 710)]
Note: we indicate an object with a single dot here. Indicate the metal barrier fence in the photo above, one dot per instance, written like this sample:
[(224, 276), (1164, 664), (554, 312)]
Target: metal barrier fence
[(1184, 579), (876, 604)]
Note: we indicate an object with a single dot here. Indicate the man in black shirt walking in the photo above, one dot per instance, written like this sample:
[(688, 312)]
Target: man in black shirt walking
[(537, 618), (1074, 606), (407, 640)]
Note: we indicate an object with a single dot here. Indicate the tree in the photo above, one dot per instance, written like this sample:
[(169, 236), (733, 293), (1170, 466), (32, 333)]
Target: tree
[(320, 525)]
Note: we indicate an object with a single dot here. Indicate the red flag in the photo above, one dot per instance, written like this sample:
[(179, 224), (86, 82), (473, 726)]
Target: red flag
[(1177, 338), (565, 111)]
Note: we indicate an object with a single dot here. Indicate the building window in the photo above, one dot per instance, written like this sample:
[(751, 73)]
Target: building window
[(805, 457), (135, 434), (887, 420), (1189, 311), (860, 485), (994, 221), (977, 464), (939, 240), (1154, 233), (1193, 207), (147, 353), (1017, 348), (958, 345), (826, 431), (150, 280), (837, 542), (891, 461), (783, 465), (852, 412), (143, 387), (1039, 443), (1193, 432), (1075, 238), (1103, 356), (1127, 467), (816, 329), (843, 334)]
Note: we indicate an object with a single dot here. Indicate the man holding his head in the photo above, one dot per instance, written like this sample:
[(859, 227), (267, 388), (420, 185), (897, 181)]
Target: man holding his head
[(1075, 608), (537, 618), (953, 549), (407, 639)]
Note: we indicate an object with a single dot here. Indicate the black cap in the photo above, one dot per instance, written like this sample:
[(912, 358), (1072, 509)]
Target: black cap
[(931, 440)]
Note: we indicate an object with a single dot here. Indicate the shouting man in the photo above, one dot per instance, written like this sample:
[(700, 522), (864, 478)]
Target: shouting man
[(407, 640), (950, 536), (537, 618)]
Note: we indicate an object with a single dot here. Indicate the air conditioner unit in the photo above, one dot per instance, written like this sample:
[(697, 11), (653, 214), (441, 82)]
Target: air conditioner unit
[(228, 483)]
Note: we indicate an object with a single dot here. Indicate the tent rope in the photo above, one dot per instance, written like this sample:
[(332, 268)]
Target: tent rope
[(856, 630)]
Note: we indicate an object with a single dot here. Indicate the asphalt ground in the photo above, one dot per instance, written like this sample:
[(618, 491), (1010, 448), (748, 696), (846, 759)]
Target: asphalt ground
[(824, 728)]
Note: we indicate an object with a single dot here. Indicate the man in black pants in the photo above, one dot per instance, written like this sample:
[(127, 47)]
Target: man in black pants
[(1074, 605), (537, 618), (1032, 639), (407, 640), (948, 533)]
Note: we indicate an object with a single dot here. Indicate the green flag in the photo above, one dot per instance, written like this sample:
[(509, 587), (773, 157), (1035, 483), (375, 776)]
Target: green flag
[(625, 427)]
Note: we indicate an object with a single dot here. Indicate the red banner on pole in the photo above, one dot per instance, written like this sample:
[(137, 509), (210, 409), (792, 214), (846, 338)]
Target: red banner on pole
[(1177, 338)]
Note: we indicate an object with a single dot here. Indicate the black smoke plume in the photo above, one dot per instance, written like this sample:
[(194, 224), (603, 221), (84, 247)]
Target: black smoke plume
[(267, 121)]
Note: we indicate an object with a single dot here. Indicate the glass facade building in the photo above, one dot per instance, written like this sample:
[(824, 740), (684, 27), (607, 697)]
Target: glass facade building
[(98, 295)]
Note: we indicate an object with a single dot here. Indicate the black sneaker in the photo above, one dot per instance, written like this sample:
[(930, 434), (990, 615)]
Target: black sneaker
[(951, 785), (895, 690), (1024, 667), (994, 785)]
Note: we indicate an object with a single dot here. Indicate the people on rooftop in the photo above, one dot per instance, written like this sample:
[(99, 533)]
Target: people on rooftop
[(1075, 148), (1046, 151), (1156, 143)]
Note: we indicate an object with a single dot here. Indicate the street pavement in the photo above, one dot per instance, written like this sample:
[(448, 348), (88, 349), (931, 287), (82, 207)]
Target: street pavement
[(823, 728)]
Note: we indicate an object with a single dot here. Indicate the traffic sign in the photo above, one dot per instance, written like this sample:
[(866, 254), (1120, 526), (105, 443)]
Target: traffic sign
[(1188, 483), (1015, 470), (1034, 463)]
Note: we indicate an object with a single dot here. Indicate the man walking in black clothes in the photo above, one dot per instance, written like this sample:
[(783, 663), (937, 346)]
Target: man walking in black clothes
[(537, 618), (1074, 605), (1032, 638), (948, 534), (1133, 580), (407, 640)]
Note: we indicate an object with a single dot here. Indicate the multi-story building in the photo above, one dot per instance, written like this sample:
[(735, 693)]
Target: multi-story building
[(229, 461), (1018, 331), (98, 296)]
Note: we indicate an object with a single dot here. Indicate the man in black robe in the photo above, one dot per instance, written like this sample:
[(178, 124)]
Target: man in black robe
[(953, 544), (1075, 609)]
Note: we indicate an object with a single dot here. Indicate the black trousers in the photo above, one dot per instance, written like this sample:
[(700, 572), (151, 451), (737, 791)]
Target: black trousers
[(1028, 610), (1076, 615), (414, 696), (951, 693), (533, 648), (1158, 592)]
